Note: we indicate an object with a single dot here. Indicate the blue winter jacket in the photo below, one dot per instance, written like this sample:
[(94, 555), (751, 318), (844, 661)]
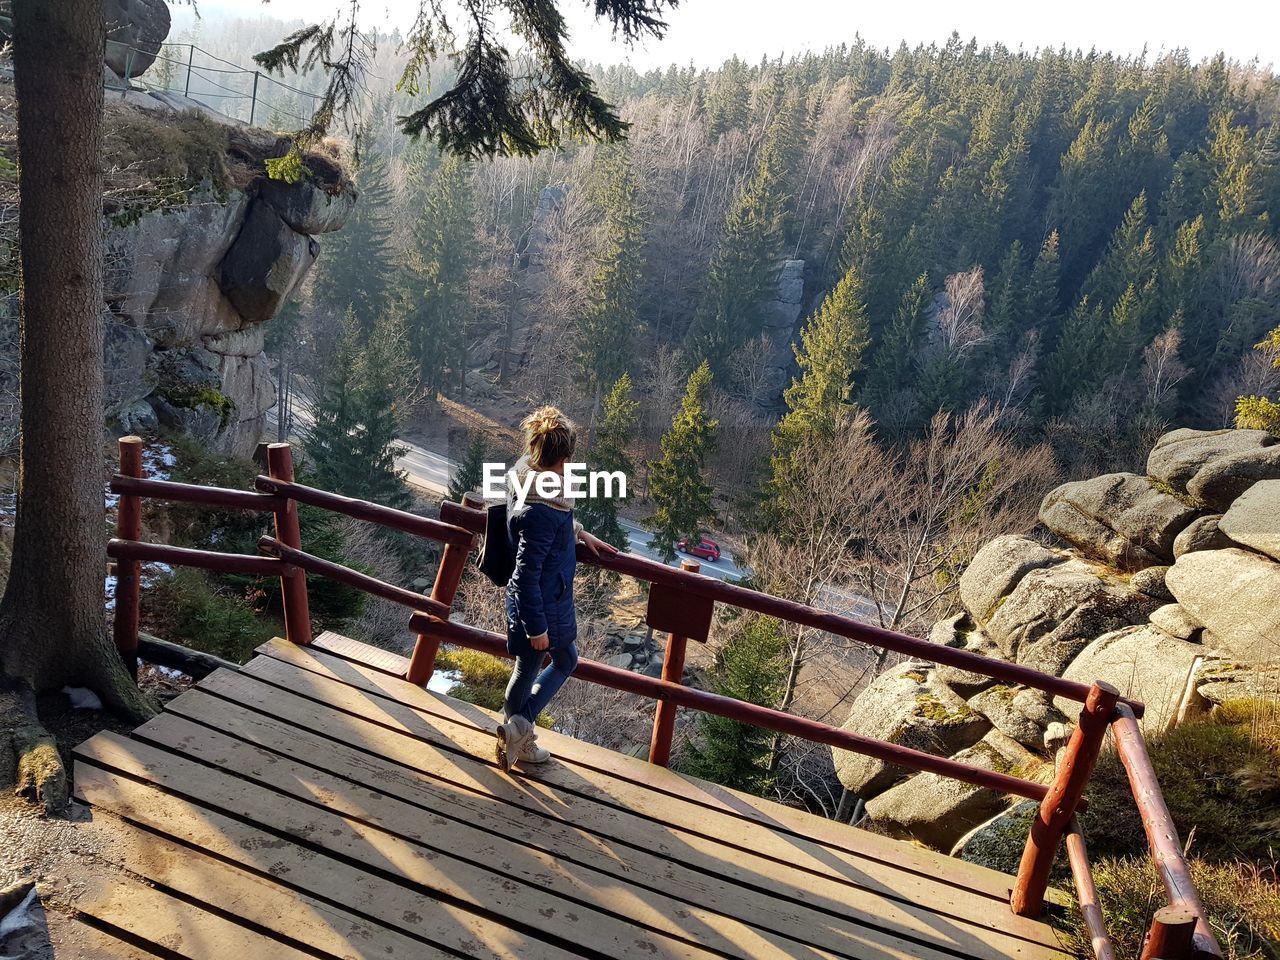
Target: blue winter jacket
[(540, 591)]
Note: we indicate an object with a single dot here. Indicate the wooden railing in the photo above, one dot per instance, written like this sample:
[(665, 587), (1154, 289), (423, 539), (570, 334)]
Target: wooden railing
[(681, 604)]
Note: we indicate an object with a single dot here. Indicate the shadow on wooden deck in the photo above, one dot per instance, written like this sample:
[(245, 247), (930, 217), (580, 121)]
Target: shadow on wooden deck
[(314, 804)]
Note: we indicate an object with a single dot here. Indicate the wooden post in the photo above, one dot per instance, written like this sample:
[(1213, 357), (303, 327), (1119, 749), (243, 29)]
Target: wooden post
[(664, 717), (1059, 805), (293, 584), (129, 572), (1162, 834), (453, 564), (1172, 934)]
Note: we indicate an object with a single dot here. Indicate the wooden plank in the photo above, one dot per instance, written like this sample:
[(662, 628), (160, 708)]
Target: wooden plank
[(73, 939), (348, 649), (384, 900), (603, 775), (530, 903), (809, 880), (264, 903), (776, 817), (609, 882), (171, 926), (497, 854)]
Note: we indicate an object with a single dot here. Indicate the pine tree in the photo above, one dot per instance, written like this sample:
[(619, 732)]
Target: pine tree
[(1125, 334), (1182, 277), (358, 409), (676, 482), (613, 435), (356, 267), (885, 241), (727, 98), (1041, 299), (605, 331), (899, 348), (745, 268), (496, 105), (752, 667), (470, 473), (1074, 364), (1262, 413), (433, 297), (1008, 314), (1236, 174), (830, 353), (1130, 259)]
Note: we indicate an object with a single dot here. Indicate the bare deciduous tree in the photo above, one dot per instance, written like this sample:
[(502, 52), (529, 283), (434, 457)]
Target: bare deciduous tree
[(748, 369), (958, 321), (1163, 370)]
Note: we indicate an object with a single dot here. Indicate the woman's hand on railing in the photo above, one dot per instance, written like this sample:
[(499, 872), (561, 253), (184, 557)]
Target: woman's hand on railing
[(596, 545)]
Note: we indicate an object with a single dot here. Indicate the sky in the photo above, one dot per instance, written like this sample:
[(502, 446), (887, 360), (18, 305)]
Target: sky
[(707, 32)]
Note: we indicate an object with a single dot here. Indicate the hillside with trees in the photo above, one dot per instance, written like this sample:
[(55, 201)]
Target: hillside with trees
[(1083, 244)]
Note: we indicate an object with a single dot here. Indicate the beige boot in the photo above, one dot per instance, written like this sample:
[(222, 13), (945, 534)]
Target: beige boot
[(511, 734), (529, 751)]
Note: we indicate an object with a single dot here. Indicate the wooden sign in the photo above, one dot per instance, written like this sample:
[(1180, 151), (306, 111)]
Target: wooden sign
[(672, 610)]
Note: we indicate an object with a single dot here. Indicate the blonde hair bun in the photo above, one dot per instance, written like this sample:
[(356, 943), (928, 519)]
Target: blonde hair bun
[(550, 437)]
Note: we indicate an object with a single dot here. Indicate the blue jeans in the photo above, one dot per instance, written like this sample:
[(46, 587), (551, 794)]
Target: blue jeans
[(528, 690)]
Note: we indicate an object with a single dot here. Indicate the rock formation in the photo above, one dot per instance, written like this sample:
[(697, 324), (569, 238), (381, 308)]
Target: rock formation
[(781, 317), (190, 286), (1165, 585), (136, 30)]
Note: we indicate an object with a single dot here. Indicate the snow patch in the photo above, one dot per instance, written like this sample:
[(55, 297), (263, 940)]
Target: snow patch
[(442, 681), (82, 698)]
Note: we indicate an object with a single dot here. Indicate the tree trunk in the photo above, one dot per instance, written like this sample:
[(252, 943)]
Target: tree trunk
[(788, 694), (52, 631), (284, 392)]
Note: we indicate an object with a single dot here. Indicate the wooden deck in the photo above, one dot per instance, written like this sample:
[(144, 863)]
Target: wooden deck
[(316, 805)]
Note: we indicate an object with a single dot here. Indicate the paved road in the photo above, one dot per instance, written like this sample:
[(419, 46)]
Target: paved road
[(431, 471), (638, 543)]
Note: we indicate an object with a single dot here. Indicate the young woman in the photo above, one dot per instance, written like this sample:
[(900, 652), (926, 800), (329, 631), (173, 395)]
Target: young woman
[(540, 614)]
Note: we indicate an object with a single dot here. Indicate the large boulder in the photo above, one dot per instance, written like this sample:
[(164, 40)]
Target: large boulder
[(960, 633), (1150, 580), (161, 268), (938, 810), (1020, 713), (1174, 620), (997, 568), (1144, 663), (909, 706), (264, 265), (1214, 467), (248, 341), (126, 352), (1119, 518), (136, 31), (999, 842), (307, 207), (188, 395), (1254, 519), (1055, 612), (1201, 534), (1220, 682), (1236, 595), (248, 381)]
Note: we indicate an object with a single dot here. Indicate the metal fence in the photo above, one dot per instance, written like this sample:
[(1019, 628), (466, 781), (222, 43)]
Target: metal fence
[(234, 91)]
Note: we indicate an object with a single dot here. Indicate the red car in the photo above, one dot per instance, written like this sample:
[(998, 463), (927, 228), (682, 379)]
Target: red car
[(702, 547)]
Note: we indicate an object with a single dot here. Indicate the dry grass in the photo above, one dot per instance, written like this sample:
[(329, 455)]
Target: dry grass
[(1221, 780), (1242, 900), (158, 153)]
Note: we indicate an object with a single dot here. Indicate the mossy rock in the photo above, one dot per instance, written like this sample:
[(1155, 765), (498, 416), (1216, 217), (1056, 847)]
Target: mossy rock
[(999, 842)]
